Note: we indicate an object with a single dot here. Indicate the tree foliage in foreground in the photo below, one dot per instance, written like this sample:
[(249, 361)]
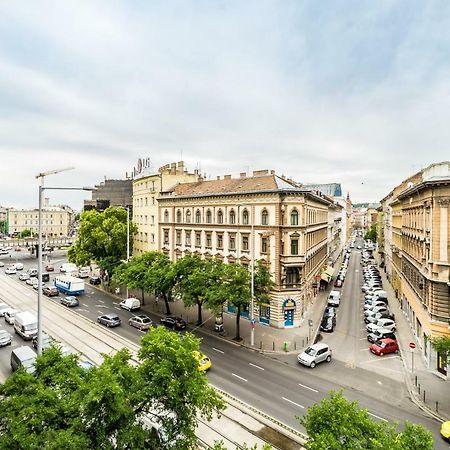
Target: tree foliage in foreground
[(337, 424), (442, 345), (102, 238), (110, 406)]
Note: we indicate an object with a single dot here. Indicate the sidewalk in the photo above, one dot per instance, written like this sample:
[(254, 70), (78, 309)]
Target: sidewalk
[(428, 390)]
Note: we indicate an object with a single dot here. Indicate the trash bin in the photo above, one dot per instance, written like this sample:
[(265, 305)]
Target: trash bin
[(218, 327)]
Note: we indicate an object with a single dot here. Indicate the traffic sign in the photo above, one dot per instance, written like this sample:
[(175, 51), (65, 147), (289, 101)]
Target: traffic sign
[(253, 322), (310, 322), (412, 345)]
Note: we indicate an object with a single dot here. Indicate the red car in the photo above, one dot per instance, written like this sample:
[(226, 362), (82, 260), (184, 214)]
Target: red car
[(49, 268), (338, 283), (384, 346)]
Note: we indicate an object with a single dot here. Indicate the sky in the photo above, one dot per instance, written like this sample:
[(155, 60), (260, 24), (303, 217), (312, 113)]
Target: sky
[(354, 92)]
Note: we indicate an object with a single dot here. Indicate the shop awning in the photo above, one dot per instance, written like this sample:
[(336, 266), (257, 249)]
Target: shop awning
[(327, 273)]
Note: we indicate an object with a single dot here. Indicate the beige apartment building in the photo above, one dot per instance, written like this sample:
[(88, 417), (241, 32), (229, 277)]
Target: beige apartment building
[(240, 220), (147, 186), (56, 220), (416, 253)]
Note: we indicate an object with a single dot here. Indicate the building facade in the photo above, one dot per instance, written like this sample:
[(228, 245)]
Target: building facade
[(147, 186), (111, 193), (417, 247), (240, 220), (56, 220)]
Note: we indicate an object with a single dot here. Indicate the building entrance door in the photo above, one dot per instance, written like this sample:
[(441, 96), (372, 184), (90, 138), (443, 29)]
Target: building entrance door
[(288, 317), (440, 364)]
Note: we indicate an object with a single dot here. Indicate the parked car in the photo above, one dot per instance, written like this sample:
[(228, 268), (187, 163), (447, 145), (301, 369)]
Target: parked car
[(11, 270), (3, 308), (384, 346), (24, 276), (130, 304), (387, 324), (338, 283), (380, 334), (69, 301), (30, 281), (329, 311), (110, 320), (49, 268), (50, 291), (5, 338), (445, 431), (328, 324), (378, 316), (315, 354), (174, 323), (375, 309), (23, 357), (95, 280), (142, 322), (18, 266), (33, 272), (10, 314), (334, 298)]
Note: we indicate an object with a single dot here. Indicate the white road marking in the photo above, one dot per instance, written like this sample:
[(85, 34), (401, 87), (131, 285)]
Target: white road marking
[(258, 367), (100, 306), (116, 307), (290, 401), (364, 349), (101, 301), (363, 339), (100, 312), (379, 359), (307, 387), (237, 376), (377, 417), (82, 310), (217, 350), (356, 270)]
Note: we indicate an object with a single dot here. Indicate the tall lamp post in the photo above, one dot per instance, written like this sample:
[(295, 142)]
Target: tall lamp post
[(252, 286), (41, 176)]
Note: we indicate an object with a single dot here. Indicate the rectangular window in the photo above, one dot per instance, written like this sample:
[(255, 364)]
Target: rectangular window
[(145, 237), (264, 245), (166, 236), (146, 201), (153, 220), (153, 238), (198, 239), (294, 247), (178, 237), (244, 243), (219, 241), (208, 240), (232, 243), (187, 238)]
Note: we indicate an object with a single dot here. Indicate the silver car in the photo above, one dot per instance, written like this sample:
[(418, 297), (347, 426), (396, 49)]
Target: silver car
[(10, 314), (315, 354), (5, 338), (142, 322)]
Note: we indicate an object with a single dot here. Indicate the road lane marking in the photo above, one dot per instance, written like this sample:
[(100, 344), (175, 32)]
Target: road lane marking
[(100, 306), (217, 350), (258, 367), (237, 376), (307, 387), (100, 312), (290, 401), (379, 359), (377, 417), (363, 349), (116, 307)]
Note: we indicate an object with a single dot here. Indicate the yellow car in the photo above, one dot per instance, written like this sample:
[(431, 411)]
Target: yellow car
[(445, 430), (204, 363)]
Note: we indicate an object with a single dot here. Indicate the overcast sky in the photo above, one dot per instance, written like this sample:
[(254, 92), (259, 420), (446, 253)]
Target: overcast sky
[(356, 92)]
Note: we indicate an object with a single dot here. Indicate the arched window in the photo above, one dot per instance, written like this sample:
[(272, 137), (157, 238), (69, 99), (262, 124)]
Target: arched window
[(188, 216), (198, 216), (208, 216), (232, 217), (166, 216), (294, 217), (245, 217), (220, 216), (265, 217), (179, 216)]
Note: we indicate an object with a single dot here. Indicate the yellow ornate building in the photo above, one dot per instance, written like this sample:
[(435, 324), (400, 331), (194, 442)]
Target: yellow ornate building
[(417, 245), (244, 219)]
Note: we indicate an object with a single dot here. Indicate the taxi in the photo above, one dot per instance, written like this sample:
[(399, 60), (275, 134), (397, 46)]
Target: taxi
[(445, 430), (204, 363)]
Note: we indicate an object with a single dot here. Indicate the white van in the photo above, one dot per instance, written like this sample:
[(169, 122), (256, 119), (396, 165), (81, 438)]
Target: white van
[(23, 357), (83, 272), (334, 298), (130, 304), (25, 324), (69, 268)]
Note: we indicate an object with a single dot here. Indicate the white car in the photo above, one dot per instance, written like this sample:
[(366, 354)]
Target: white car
[(375, 309), (18, 266), (315, 354), (3, 308), (10, 314), (2, 264), (10, 270), (30, 281), (387, 324), (24, 277)]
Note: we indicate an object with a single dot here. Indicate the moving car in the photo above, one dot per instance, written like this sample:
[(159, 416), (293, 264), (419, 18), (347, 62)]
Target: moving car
[(18, 266), (10, 314), (130, 304), (49, 268), (50, 291), (315, 354), (69, 301), (25, 324), (5, 338), (47, 341), (142, 322), (328, 324), (384, 346), (11, 270), (174, 323), (3, 308), (69, 268), (83, 272), (30, 281), (33, 272), (95, 280), (24, 276), (204, 363), (445, 431), (23, 357), (110, 320)]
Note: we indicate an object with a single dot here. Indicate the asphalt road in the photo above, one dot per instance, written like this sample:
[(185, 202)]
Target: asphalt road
[(278, 386)]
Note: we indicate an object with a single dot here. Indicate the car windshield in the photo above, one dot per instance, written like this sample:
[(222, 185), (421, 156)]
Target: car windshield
[(3, 334), (310, 351), (113, 318), (146, 320), (30, 326)]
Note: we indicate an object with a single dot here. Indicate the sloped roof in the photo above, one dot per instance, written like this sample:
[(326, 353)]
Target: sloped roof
[(260, 183), (330, 189)]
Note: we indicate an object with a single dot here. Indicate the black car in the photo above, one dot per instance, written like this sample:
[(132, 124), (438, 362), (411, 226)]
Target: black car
[(69, 301), (174, 323), (110, 320), (95, 280), (328, 324)]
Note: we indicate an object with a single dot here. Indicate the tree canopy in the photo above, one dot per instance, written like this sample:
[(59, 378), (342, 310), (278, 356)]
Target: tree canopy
[(117, 405), (442, 345), (102, 238), (371, 235), (337, 424)]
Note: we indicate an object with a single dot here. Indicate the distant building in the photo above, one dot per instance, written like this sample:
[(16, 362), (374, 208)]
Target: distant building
[(111, 193)]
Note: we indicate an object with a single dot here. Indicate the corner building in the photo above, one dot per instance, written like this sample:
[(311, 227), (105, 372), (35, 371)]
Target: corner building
[(238, 220)]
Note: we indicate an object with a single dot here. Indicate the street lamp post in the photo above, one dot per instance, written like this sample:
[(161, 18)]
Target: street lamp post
[(41, 176), (252, 286)]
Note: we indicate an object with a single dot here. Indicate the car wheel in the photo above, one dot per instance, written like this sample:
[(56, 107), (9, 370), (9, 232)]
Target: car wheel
[(328, 358), (381, 354), (312, 365), (107, 325)]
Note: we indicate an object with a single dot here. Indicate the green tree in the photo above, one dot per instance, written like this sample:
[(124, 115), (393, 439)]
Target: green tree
[(221, 446), (263, 282), (233, 287), (442, 345), (25, 233), (102, 238), (337, 424), (371, 235)]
